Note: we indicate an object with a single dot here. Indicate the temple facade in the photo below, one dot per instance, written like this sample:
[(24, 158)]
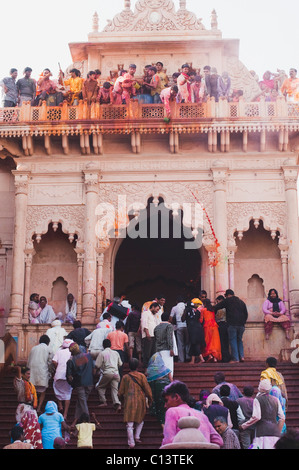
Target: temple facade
[(76, 178)]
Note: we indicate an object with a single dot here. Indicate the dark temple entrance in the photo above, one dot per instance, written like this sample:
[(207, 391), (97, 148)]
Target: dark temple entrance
[(148, 267)]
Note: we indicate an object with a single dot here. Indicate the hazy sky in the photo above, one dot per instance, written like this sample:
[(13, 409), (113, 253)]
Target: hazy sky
[(38, 37)]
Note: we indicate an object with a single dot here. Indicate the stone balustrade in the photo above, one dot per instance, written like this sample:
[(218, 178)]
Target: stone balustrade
[(223, 110)]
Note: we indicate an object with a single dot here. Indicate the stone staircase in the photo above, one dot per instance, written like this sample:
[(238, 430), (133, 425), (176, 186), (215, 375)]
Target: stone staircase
[(197, 377)]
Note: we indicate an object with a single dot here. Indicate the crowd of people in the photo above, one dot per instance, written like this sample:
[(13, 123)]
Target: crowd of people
[(155, 86), (149, 340)]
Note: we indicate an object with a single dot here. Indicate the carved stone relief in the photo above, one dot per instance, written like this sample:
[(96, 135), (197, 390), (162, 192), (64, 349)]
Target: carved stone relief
[(40, 194), (154, 15), (273, 215), (174, 194), (70, 217), (242, 79)]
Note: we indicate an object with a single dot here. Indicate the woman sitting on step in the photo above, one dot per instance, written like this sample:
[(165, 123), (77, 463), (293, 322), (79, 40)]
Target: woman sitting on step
[(275, 312)]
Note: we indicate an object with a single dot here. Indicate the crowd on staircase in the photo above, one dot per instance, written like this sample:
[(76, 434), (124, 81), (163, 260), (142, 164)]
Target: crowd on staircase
[(149, 341)]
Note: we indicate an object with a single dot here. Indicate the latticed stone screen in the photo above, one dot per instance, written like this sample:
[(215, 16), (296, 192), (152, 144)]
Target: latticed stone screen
[(271, 109), (54, 114), (192, 111), (35, 112), (72, 113), (114, 112), (293, 110), (152, 112), (233, 110), (10, 114), (252, 110)]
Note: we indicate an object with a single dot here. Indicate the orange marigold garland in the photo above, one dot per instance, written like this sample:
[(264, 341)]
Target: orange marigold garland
[(215, 260)]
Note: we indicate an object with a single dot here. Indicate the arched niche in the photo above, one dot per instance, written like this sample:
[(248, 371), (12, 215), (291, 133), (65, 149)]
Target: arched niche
[(54, 261), (258, 255), (255, 287), (59, 294), (255, 296)]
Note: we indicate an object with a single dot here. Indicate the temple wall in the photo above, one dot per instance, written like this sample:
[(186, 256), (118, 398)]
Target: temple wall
[(6, 239)]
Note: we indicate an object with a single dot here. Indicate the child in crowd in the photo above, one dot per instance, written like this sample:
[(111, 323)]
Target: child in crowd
[(84, 431)]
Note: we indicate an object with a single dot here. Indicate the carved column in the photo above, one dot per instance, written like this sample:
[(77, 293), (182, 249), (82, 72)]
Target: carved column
[(211, 255), (285, 273), (291, 178), (220, 228), (231, 267), (90, 264), (100, 264), (18, 265), (28, 265), (80, 264)]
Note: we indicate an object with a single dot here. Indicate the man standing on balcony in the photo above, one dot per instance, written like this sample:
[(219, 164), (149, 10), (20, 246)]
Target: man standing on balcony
[(10, 91), (290, 87), (46, 87), (154, 84), (75, 86), (163, 77), (26, 87), (90, 88), (184, 84), (167, 95)]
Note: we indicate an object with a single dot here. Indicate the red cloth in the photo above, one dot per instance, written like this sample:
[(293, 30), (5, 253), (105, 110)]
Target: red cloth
[(32, 431)]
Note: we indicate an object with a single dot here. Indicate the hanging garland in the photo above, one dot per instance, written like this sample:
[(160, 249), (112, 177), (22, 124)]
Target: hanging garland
[(215, 260)]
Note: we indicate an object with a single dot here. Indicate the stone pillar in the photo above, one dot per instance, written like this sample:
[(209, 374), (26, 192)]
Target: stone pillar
[(28, 265), (80, 264), (231, 267), (18, 266), (291, 179), (100, 263), (211, 255), (90, 264), (220, 228), (285, 274)]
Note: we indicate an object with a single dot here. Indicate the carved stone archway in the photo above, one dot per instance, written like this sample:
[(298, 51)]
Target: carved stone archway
[(175, 197)]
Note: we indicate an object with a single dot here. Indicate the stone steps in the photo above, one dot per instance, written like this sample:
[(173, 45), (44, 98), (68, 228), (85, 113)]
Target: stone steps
[(197, 377)]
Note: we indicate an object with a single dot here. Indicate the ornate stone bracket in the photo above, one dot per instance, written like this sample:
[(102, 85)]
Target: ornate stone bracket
[(240, 216), (71, 219)]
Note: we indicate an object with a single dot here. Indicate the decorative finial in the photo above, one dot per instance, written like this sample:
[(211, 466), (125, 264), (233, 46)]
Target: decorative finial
[(95, 23), (214, 20), (183, 4), (127, 4)]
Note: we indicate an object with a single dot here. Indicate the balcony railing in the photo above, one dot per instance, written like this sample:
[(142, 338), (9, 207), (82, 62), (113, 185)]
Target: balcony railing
[(223, 110)]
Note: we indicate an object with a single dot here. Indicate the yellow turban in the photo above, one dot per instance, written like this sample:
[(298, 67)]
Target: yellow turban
[(196, 301)]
